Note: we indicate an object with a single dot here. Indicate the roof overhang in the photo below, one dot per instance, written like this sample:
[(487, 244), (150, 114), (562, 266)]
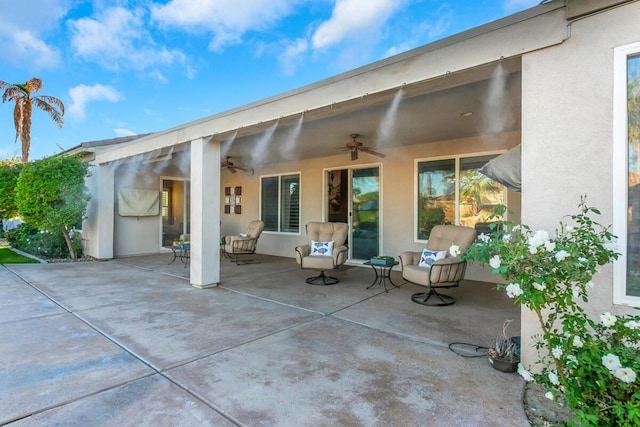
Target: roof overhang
[(436, 82)]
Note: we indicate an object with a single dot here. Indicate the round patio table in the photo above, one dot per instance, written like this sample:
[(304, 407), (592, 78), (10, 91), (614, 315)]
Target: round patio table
[(383, 274), (181, 251)]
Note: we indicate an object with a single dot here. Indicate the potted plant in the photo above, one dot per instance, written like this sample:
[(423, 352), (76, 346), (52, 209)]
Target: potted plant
[(505, 355)]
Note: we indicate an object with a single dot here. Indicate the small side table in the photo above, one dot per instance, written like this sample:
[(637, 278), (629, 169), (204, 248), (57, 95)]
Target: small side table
[(383, 274), (181, 251)]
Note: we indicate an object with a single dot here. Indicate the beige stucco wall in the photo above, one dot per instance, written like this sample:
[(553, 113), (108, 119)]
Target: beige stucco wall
[(140, 235), (397, 193), (567, 127)]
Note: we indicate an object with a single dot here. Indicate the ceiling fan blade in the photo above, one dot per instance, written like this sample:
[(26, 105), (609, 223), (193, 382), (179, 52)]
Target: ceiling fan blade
[(247, 171), (370, 151)]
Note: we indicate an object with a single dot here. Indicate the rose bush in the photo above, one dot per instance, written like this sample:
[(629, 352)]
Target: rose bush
[(591, 364)]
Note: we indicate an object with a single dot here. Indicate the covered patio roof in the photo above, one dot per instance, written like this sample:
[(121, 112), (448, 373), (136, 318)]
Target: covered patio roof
[(477, 71)]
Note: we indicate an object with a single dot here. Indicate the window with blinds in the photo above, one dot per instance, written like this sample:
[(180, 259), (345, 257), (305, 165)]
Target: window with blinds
[(280, 203)]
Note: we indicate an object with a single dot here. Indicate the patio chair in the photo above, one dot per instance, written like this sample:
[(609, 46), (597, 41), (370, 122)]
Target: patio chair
[(434, 267), (243, 244), (326, 250)]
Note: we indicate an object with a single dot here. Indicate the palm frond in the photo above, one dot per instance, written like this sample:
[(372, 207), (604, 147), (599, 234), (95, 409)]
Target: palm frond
[(33, 85), (11, 94), (55, 114), (53, 101)]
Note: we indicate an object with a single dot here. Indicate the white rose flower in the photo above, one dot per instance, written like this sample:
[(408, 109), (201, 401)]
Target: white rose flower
[(560, 255), (526, 375), (577, 342), (484, 238), (539, 286), (611, 362), (569, 228), (557, 352), (514, 290), (494, 262), (506, 238), (632, 324), (582, 259), (539, 238), (454, 250), (608, 319), (549, 245), (553, 378), (625, 374), (549, 396)]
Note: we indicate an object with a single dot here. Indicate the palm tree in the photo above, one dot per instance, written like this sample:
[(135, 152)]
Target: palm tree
[(475, 186), (21, 95)]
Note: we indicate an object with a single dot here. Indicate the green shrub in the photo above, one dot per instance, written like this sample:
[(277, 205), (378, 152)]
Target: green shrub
[(41, 243)]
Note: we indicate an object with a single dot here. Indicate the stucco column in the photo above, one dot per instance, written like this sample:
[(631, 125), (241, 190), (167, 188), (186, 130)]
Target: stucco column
[(205, 213), (100, 212)]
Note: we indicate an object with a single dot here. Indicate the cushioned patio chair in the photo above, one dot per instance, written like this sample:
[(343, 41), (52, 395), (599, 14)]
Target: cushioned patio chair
[(326, 250), (434, 267), (244, 244)]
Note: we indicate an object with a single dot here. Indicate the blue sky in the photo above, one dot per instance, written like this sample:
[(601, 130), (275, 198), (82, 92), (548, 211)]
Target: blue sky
[(138, 66)]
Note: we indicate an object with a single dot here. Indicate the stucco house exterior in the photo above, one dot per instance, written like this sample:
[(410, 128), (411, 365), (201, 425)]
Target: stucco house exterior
[(553, 80)]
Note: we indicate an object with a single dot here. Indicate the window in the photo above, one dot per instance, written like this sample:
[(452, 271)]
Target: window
[(280, 203), (627, 179), (166, 205), (452, 191)]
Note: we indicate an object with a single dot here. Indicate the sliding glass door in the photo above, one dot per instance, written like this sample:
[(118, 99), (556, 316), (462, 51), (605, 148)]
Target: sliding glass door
[(354, 198)]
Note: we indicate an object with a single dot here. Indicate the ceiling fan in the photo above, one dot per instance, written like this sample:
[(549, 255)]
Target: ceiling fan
[(233, 168), (355, 146)]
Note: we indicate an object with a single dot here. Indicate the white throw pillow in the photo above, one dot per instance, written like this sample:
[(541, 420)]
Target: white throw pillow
[(429, 257), (321, 248)]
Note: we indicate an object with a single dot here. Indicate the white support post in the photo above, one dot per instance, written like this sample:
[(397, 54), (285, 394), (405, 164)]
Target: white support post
[(99, 225), (205, 213)]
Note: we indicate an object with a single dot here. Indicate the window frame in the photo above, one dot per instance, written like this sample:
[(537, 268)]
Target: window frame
[(280, 177), (620, 165), (416, 184)]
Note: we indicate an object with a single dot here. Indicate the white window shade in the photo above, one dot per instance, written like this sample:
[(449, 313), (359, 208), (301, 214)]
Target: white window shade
[(137, 202)]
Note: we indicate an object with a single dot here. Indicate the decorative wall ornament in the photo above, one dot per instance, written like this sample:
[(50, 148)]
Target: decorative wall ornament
[(233, 200)]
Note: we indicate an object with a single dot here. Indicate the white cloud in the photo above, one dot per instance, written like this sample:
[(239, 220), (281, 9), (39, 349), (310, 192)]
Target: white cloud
[(23, 30), (227, 20), (291, 57), (116, 38), (353, 18), (83, 94), (124, 132), (25, 48)]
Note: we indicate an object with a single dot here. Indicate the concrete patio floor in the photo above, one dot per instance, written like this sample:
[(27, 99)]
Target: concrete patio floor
[(130, 342)]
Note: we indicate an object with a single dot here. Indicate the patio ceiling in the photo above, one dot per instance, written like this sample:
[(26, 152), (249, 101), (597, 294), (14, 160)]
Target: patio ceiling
[(428, 111)]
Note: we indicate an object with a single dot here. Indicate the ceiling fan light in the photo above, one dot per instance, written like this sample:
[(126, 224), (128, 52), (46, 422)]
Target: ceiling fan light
[(354, 154)]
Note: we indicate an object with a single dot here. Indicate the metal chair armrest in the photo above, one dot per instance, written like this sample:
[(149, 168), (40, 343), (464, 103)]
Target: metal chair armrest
[(244, 244), (301, 252), (447, 272), (409, 258), (340, 255)]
